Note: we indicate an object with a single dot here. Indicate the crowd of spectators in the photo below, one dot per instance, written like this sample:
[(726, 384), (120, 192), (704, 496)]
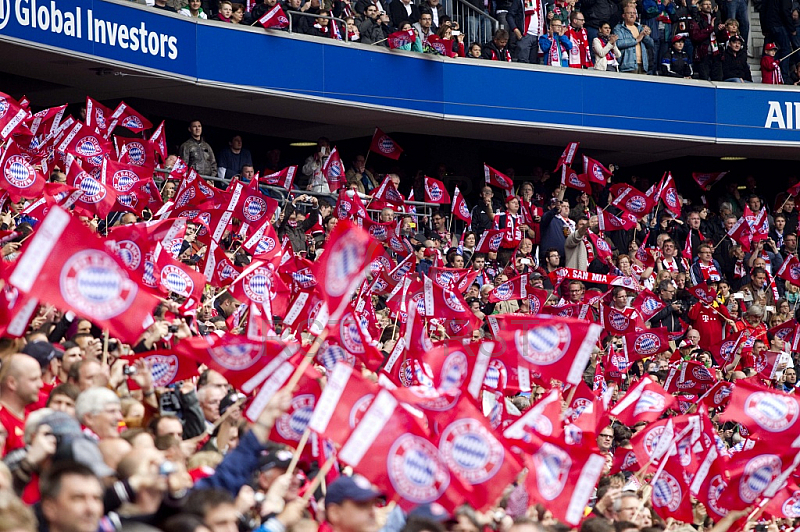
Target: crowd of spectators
[(90, 444), (691, 39)]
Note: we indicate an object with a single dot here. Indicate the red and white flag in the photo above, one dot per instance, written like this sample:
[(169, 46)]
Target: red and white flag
[(497, 179), (20, 176), (159, 141), (349, 205), (435, 191), (388, 193), (771, 413), (274, 18), (283, 178), (647, 304), (383, 143), (129, 118), (703, 292), (669, 194), (595, 171), (66, 265), (644, 402), (628, 198), (609, 222), (166, 366), (647, 343), (98, 116), (84, 142), (516, 288), (571, 179), (568, 155), (706, 180), (790, 270), (398, 39), (615, 322), (334, 170), (12, 116), (491, 240), (343, 266), (459, 207)]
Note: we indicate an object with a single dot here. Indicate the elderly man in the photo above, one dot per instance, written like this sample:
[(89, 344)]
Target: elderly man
[(99, 411)]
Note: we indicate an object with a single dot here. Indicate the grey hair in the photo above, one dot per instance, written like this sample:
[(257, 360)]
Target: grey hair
[(94, 400)]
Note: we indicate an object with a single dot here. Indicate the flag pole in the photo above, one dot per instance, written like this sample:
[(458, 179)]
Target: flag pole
[(319, 478), (298, 451)]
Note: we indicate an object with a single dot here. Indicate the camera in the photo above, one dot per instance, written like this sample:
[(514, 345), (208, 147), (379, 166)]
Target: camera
[(168, 402), (173, 329), (129, 370)]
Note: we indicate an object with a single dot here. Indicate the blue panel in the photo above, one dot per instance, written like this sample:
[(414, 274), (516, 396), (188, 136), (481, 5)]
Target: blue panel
[(439, 87)]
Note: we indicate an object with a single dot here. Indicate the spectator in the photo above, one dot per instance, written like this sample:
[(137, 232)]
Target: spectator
[(234, 158), (526, 20), (72, 498), (597, 11), (373, 27), (20, 382), (606, 52), (196, 152), (403, 11), (771, 67), (162, 5), (778, 27), (194, 10), (237, 13), (358, 175), (580, 55), (225, 13), (676, 63), (634, 41), (437, 12), (424, 27), (497, 48), (734, 62), (703, 31), (656, 15)]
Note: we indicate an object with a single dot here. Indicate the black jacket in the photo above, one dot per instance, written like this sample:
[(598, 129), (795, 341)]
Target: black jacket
[(734, 65), (398, 15), (372, 31), (597, 11), (676, 64), (776, 13)]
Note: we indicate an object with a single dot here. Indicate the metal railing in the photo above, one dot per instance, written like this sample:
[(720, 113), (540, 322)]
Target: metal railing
[(475, 23), (300, 14)]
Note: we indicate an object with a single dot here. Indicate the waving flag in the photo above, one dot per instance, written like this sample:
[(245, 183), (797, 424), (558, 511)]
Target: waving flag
[(497, 179), (516, 288), (644, 402), (129, 118), (12, 116), (595, 171), (381, 142), (647, 343), (459, 207), (790, 270), (568, 156), (706, 180), (609, 222), (398, 39), (491, 240), (274, 18), (435, 191), (669, 194), (158, 141), (20, 177), (334, 170), (98, 116), (166, 367), (387, 193), (283, 178), (647, 304), (632, 200), (571, 179), (66, 265), (771, 413)]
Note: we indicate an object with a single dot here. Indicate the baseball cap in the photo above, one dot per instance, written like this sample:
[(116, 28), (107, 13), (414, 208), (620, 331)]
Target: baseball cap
[(280, 458), (355, 488), (432, 511), (770, 46), (533, 276), (228, 401), (43, 352), (737, 38), (686, 343), (85, 451), (678, 38)]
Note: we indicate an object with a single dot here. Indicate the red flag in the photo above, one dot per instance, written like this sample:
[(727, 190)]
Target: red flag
[(400, 459), (342, 267), (396, 40), (334, 170), (263, 241), (274, 18), (166, 367), (129, 118), (383, 143), (20, 176), (442, 46), (497, 179), (346, 397), (609, 222), (516, 288), (604, 252), (84, 142), (753, 471), (349, 205), (491, 240), (644, 402), (435, 192), (689, 377), (571, 179), (179, 278), (159, 141), (718, 395), (568, 156), (771, 413), (632, 200), (95, 197), (707, 180), (218, 269), (459, 207), (669, 193), (97, 115), (443, 303), (786, 503), (138, 152), (12, 116), (387, 193), (703, 292), (670, 493), (790, 270), (252, 207), (66, 265), (647, 343), (595, 171), (647, 304), (283, 178), (615, 322)]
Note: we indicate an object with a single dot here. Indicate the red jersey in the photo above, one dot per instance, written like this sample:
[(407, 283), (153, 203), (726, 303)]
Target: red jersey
[(15, 428), (708, 323), (44, 394)]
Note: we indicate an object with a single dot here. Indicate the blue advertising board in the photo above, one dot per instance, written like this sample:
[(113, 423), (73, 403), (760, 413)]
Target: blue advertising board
[(274, 62)]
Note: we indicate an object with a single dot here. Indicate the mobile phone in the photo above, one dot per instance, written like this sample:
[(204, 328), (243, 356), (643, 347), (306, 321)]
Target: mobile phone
[(456, 33)]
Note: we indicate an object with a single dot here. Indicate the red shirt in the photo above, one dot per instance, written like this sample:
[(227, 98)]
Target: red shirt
[(16, 430), (44, 394), (708, 323)]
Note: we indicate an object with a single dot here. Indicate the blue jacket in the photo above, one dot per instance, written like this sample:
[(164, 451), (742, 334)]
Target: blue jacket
[(564, 44), (237, 468), (627, 45)]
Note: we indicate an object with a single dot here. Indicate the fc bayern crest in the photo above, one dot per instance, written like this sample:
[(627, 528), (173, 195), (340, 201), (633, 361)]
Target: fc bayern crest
[(791, 507), (185, 197), (343, 209), (535, 304), (649, 401), (551, 467), (721, 395), (88, 146), (416, 470), (380, 232), (343, 264), (225, 270), (636, 204), (496, 375), (496, 240), (504, 292), (293, 423), (667, 492), (463, 209), (123, 180), (359, 408), (772, 412), (96, 285), (254, 209), (651, 305), (132, 122), (4, 107), (331, 354), (618, 321), (452, 301), (164, 369), (256, 285), (575, 181), (651, 440), (176, 280), (406, 372), (597, 172), (93, 191), (716, 486), (794, 271), (351, 335), (136, 153), (236, 357), (386, 144), (757, 475), (647, 344), (129, 252), (434, 191), (19, 172), (454, 371), (471, 450), (265, 245), (544, 345), (671, 198)]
